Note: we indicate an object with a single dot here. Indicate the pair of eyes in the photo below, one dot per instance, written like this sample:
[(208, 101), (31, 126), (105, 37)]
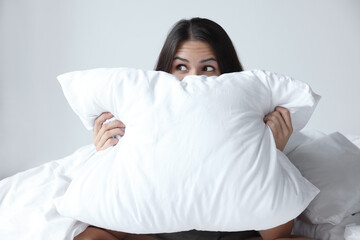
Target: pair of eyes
[(183, 68)]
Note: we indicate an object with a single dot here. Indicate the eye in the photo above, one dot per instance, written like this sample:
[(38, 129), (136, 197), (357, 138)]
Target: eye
[(209, 69), (181, 67)]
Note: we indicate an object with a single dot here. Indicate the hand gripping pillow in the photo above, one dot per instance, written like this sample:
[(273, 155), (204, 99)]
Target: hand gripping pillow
[(196, 153)]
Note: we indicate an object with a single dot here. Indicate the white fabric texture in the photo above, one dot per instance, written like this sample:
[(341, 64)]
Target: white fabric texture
[(196, 153), (27, 210), (355, 139), (352, 232), (29, 195), (300, 138), (328, 231), (332, 163)]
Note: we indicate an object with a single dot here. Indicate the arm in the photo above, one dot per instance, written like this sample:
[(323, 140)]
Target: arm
[(280, 124), (104, 133), (279, 232), (282, 232)]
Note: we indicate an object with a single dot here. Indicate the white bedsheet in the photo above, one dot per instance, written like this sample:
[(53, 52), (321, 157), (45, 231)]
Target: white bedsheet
[(26, 200), (27, 210), (352, 232)]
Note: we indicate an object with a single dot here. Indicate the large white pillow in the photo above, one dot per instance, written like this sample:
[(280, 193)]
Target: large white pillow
[(196, 153), (331, 163)]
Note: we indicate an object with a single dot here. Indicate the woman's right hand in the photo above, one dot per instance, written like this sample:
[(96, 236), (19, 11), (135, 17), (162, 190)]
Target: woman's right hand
[(104, 134)]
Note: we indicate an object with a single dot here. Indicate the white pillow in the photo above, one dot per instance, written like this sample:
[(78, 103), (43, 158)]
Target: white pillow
[(196, 153), (331, 163)]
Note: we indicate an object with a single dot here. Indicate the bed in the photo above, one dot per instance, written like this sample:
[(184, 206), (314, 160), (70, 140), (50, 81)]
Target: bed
[(38, 203)]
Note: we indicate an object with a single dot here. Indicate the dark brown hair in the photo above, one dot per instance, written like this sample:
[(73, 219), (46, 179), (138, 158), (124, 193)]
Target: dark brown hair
[(204, 30)]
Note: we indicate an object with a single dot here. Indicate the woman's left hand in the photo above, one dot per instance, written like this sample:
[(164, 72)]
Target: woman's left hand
[(280, 124)]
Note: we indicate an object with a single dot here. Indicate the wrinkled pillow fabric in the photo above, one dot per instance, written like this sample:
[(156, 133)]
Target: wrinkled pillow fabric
[(331, 163), (196, 153)]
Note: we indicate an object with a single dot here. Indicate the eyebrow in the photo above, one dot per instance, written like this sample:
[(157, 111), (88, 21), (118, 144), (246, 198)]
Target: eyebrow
[(202, 61), (208, 60), (182, 59)]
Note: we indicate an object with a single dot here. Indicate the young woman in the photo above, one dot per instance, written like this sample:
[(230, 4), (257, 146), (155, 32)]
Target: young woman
[(195, 47)]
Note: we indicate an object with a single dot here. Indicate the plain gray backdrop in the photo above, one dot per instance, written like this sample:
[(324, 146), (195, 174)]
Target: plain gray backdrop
[(313, 41)]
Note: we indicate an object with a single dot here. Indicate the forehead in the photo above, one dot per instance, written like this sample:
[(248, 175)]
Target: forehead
[(194, 48)]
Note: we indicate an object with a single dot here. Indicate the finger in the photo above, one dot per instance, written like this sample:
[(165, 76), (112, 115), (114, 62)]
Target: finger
[(99, 122), (278, 123), (109, 134), (285, 113), (273, 128), (107, 127), (277, 133), (111, 125), (121, 124), (110, 142)]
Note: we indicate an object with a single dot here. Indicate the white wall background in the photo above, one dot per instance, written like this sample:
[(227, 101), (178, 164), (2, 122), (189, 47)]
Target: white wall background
[(314, 41)]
